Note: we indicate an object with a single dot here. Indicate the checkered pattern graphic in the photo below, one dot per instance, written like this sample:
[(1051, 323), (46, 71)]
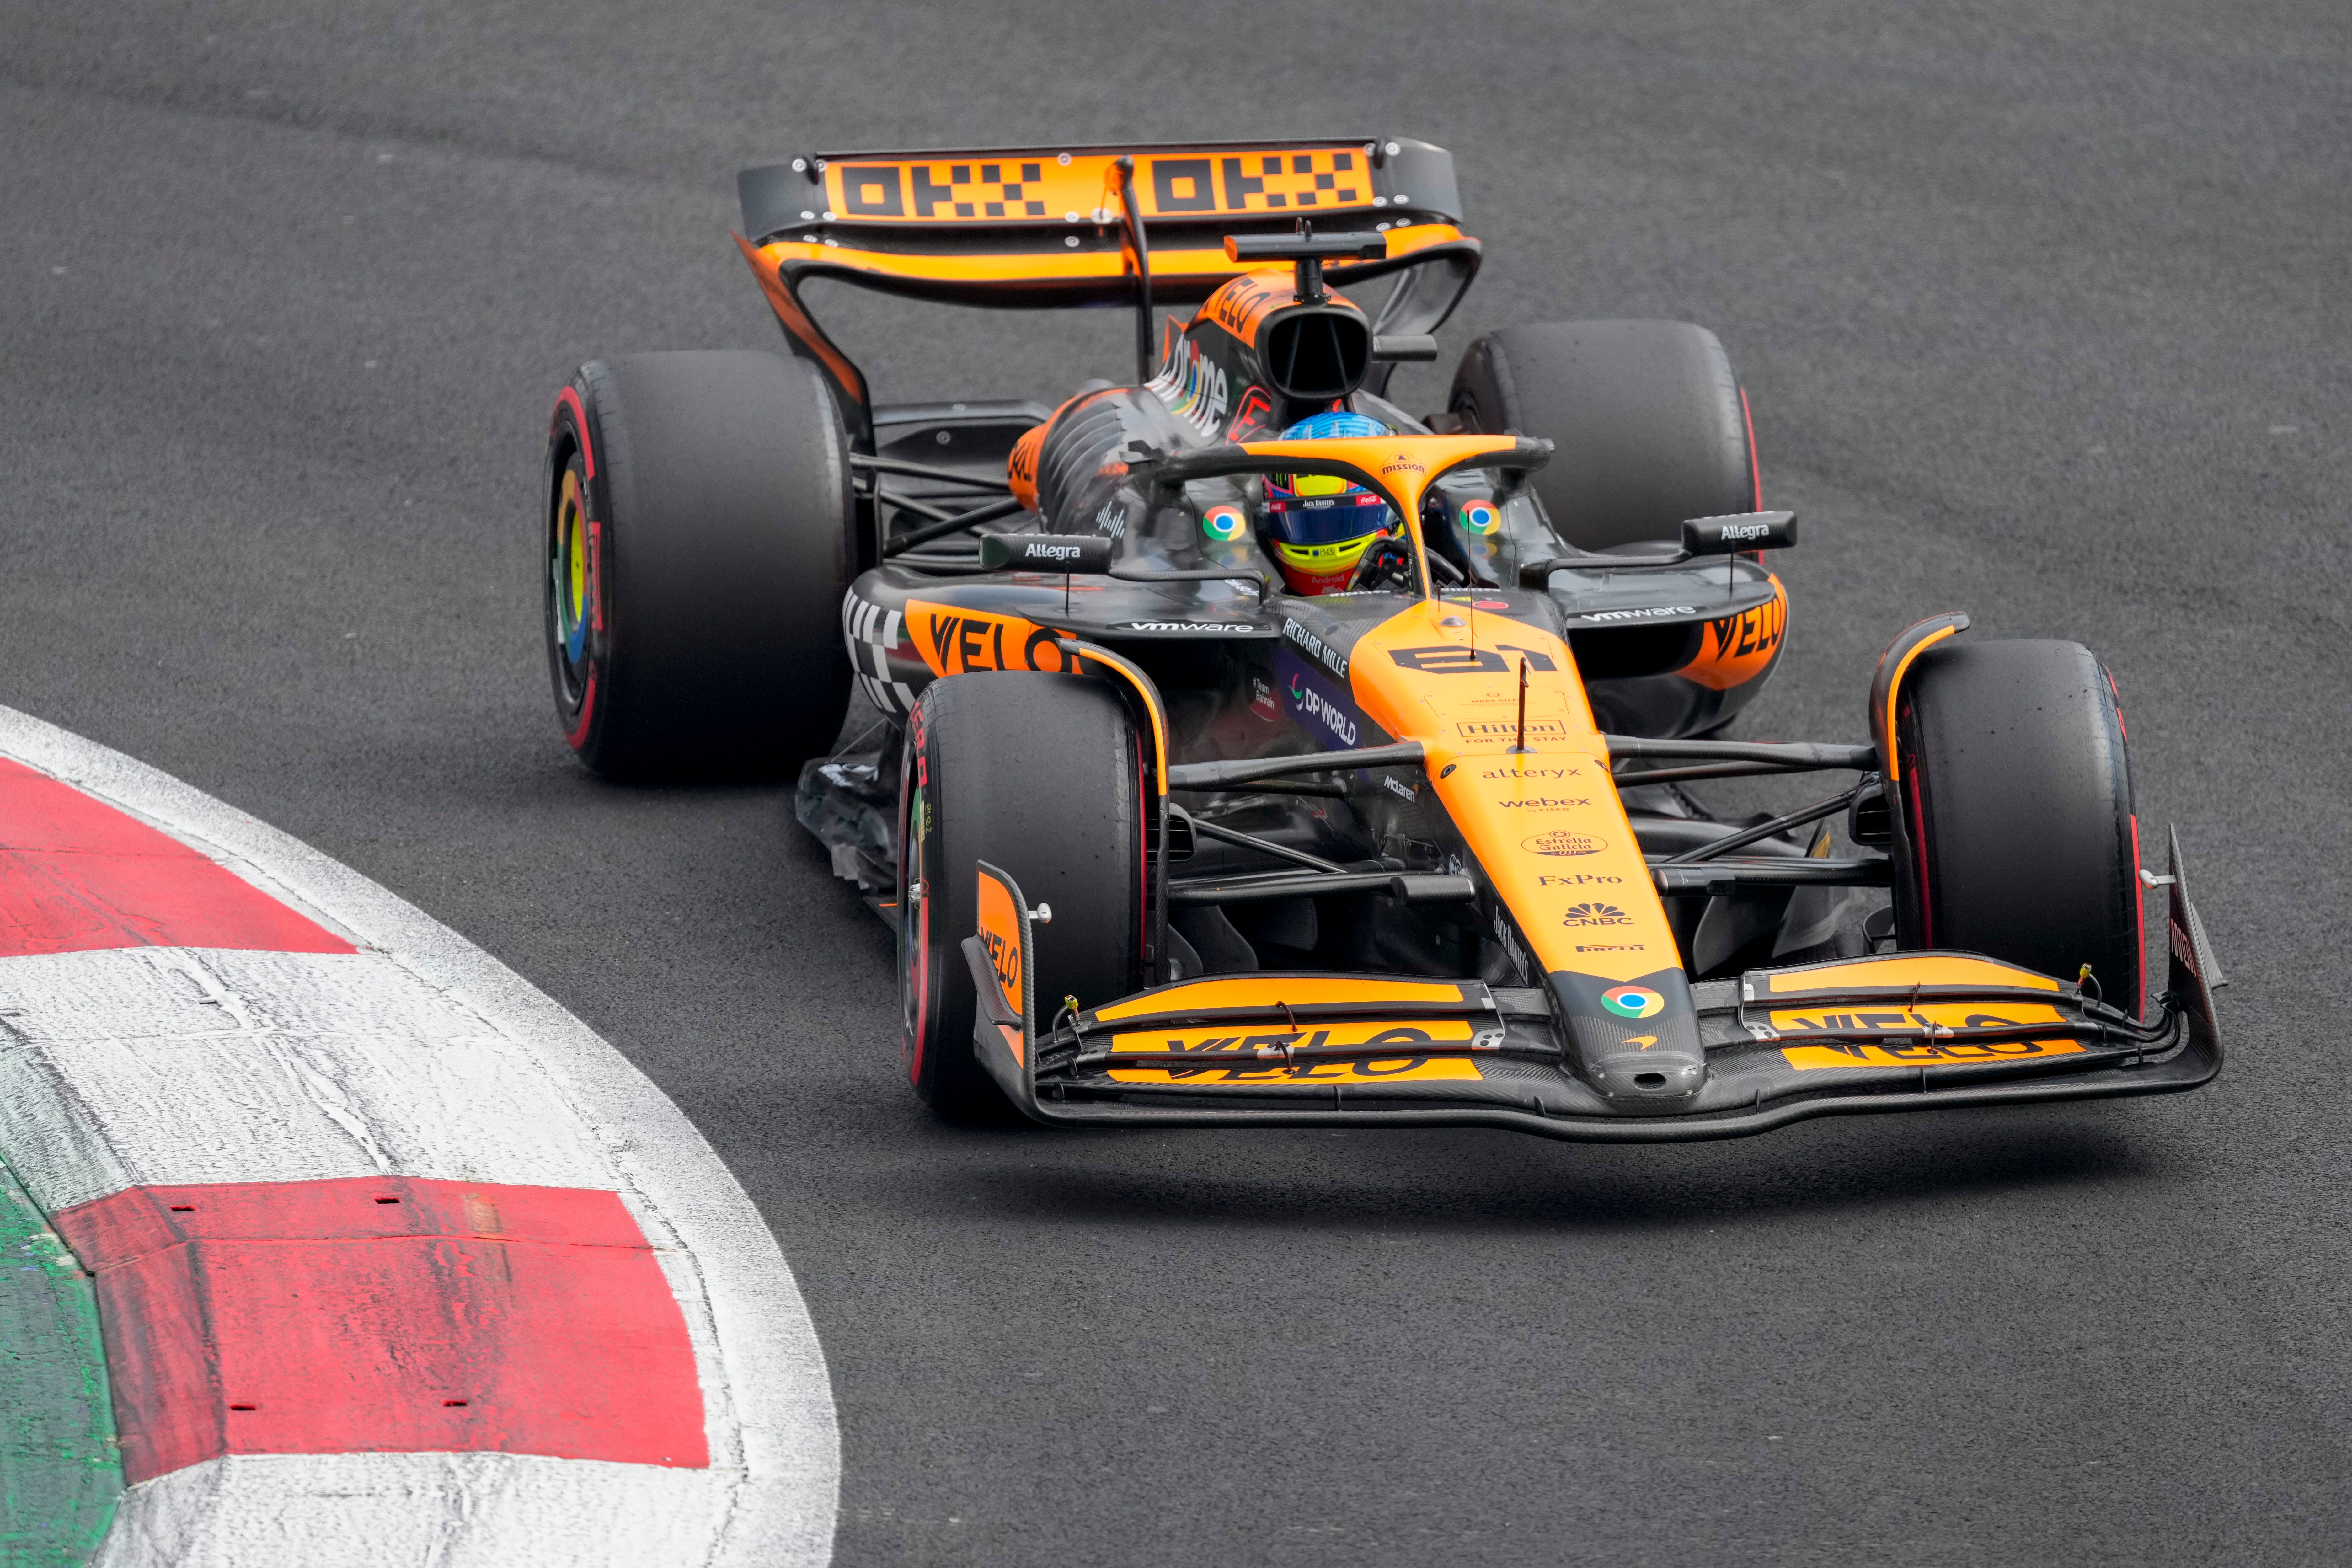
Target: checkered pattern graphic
[(975, 190), (1275, 182), (871, 632)]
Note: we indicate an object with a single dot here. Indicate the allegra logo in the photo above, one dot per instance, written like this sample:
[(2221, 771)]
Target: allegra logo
[(1564, 844)]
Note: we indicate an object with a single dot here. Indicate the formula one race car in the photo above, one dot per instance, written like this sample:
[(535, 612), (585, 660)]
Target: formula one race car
[(1246, 750)]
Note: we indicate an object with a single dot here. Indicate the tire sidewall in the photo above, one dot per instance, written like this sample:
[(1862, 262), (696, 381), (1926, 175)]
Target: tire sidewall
[(574, 440), (936, 1001)]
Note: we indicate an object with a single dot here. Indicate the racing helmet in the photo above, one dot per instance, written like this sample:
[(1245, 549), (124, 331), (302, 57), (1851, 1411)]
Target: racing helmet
[(1318, 527)]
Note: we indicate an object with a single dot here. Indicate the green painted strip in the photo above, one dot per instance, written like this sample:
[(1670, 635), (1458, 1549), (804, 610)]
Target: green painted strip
[(61, 1469)]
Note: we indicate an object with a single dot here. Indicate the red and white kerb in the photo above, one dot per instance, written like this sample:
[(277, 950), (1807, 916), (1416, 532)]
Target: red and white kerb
[(396, 1261)]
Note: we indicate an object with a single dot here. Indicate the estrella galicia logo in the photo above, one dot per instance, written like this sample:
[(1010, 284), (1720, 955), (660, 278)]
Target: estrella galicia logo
[(1326, 714)]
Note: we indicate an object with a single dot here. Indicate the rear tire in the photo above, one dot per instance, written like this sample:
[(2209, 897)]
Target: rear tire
[(2016, 786), (1646, 419), (1039, 776), (700, 535)]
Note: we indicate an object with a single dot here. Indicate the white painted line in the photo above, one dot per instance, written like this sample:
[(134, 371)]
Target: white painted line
[(420, 1056)]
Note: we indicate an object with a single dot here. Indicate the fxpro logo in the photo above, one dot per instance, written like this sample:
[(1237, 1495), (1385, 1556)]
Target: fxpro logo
[(1578, 880), (1314, 705)]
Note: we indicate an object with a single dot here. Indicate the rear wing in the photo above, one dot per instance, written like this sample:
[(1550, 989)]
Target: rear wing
[(1049, 227)]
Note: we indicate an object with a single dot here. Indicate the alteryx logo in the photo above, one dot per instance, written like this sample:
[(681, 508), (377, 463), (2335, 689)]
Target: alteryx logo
[(1316, 706)]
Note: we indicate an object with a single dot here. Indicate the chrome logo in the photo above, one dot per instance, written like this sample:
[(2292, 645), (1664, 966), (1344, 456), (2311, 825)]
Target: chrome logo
[(1224, 522), (1480, 517), (1632, 1002)]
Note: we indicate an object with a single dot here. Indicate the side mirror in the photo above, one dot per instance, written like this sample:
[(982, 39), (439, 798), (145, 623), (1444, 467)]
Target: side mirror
[(1046, 551), (1392, 346), (1739, 531)]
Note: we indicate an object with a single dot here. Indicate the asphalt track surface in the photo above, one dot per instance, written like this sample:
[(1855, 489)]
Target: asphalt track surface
[(2043, 315)]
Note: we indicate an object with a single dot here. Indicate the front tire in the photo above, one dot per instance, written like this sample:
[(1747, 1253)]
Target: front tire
[(1040, 776), (2016, 788), (1646, 419), (699, 538)]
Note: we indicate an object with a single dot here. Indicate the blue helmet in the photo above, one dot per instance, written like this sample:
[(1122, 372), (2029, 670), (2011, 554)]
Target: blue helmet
[(1318, 527)]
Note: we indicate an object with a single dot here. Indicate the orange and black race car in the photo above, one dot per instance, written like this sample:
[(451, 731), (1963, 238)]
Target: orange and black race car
[(1238, 747)]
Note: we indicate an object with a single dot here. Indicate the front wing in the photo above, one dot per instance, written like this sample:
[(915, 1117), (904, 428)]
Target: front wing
[(1368, 1050)]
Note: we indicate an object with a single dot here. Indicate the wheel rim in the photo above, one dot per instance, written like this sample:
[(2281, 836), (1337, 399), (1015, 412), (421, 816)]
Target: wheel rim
[(571, 584)]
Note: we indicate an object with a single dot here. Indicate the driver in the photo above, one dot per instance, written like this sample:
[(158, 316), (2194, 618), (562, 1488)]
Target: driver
[(1318, 527)]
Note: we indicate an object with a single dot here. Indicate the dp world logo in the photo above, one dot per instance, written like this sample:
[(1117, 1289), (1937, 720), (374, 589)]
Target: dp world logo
[(1632, 1002), (1318, 709)]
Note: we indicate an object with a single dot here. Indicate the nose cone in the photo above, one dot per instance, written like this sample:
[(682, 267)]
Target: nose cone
[(1649, 1075), (1635, 1041)]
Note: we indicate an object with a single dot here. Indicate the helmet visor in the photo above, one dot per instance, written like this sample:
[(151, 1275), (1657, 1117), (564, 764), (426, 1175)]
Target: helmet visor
[(1317, 509)]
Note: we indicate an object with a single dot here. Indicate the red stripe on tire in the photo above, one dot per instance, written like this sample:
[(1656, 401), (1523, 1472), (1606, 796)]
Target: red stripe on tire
[(570, 399), (1755, 469), (391, 1314), (77, 875)]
